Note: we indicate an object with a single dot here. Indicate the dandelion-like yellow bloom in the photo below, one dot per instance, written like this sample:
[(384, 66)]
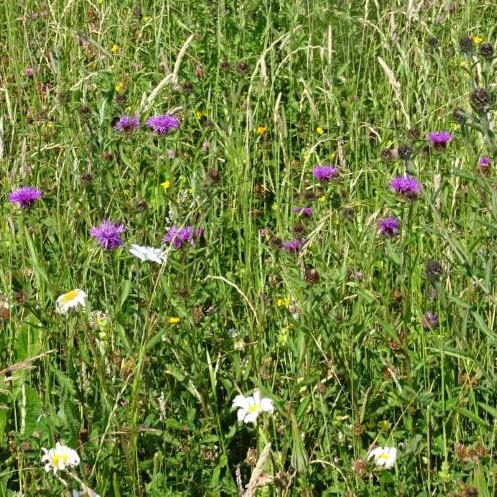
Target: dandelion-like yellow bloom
[(319, 130), (477, 40), (261, 130), (284, 302), (322, 199), (119, 87), (115, 48), (174, 320), (166, 184)]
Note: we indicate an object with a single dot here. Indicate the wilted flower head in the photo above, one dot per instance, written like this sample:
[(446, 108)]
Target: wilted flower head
[(178, 237), (439, 139), (126, 123), (163, 124), (406, 186), (324, 173), (430, 320), (59, 458), (433, 270), (25, 196), (70, 300), (303, 211), (249, 408), (383, 456), (148, 253), (292, 245), (108, 234), (388, 226)]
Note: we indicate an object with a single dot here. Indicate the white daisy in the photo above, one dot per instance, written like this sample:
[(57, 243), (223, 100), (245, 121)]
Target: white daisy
[(250, 407), (60, 458), (383, 456), (148, 253), (70, 300)]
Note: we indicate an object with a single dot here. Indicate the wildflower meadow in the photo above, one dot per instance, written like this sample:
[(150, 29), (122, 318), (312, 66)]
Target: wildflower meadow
[(247, 248)]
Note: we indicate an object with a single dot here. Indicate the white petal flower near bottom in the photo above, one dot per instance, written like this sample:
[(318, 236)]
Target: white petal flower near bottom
[(59, 458), (148, 253), (249, 408), (383, 456)]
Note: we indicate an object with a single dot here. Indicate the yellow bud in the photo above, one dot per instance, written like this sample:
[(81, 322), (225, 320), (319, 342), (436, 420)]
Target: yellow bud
[(174, 320), (261, 130), (166, 184), (319, 130), (115, 48)]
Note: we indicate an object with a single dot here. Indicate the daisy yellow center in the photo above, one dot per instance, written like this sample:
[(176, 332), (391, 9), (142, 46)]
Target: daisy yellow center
[(59, 457), (253, 408), (383, 457), (67, 297)]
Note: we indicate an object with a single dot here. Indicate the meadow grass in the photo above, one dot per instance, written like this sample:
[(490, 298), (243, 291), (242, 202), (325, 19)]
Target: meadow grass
[(360, 340)]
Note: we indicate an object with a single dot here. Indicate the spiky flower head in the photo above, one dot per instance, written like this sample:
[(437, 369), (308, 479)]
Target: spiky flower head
[(487, 50), (178, 237), (480, 99), (389, 226), (324, 172), (292, 245), (127, 123), (108, 234), (406, 186), (466, 44), (163, 123), (404, 152), (25, 196)]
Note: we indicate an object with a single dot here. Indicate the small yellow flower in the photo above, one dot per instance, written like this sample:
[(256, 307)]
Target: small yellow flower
[(455, 126), (274, 207), (463, 63), (477, 40), (322, 199), (174, 320), (198, 114), (115, 48), (284, 302), (166, 184), (319, 130), (261, 130), (119, 87)]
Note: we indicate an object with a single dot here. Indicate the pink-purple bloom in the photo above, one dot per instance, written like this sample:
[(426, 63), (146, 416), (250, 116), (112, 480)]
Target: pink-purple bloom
[(127, 123), (439, 139), (406, 186), (25, 196), (303, 211), (324, 173), (178, 237), (163, 124), (292, 245), (430, 320), (484, 164), (388, 226), (108, 234)]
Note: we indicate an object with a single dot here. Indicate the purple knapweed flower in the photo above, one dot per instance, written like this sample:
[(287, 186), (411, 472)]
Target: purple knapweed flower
[(25, 196), (304, 211), (484, 164), (292, 245), (163, 124), (430, 320), (439, 139), (406, 186), (388, 226), (178, 237), (324, 173), (108, 234), (127, 123)]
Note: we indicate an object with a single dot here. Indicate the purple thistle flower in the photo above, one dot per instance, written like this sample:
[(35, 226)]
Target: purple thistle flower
[(178, 237), (127, 123), (304, 211), (108, 234), (292, 245), (430, 320), (324, 173), (388, 226), (484, 164), (25, 196), (163, 124), (439, 139), (406, 186)]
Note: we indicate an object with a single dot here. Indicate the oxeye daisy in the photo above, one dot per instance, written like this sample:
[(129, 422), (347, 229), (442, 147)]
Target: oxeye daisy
[(383, 456), (70, 300), (59, 458), (148, 253), (249, 408)]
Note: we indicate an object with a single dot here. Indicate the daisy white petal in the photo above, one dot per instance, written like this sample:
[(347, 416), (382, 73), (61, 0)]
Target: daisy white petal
[(70, 300)]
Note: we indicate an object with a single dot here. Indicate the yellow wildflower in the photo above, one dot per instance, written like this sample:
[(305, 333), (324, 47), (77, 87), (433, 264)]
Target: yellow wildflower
[(119, 87), (455, 126), (261, 130), (114, 48), (319, 130), (322, 199), (174, 320), (284, 302), (198, 114), (166, 184), (477, 40)]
